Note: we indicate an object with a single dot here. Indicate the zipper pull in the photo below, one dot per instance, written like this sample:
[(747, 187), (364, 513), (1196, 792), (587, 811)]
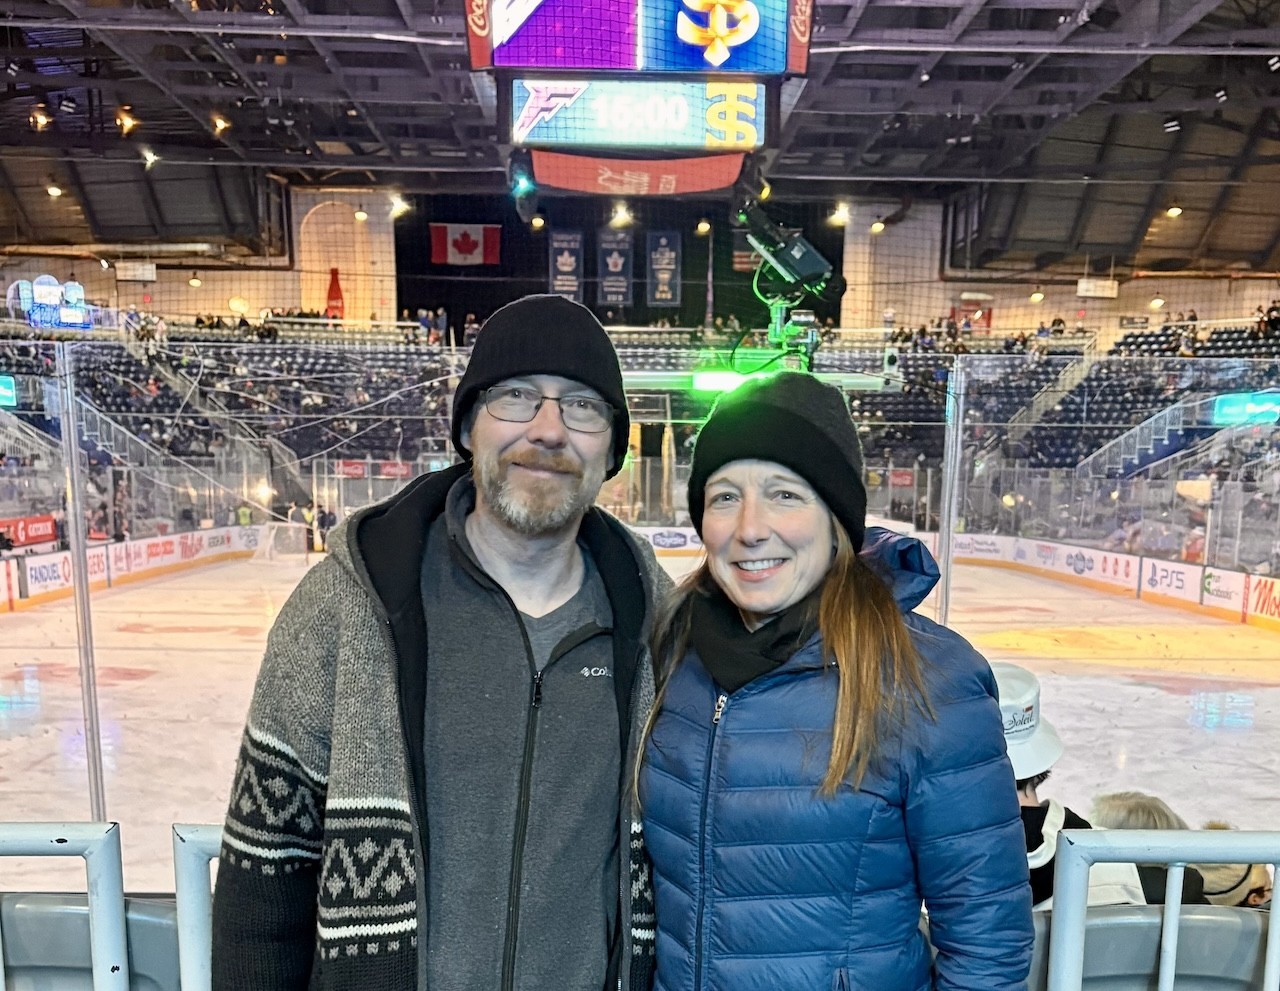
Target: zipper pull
[(535, 699), (719, 708)]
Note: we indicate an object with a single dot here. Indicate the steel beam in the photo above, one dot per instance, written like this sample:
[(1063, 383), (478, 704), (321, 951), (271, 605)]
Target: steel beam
[(19, 212), (1089, 203), (1158, 191), (82, 194), (1219, 209)]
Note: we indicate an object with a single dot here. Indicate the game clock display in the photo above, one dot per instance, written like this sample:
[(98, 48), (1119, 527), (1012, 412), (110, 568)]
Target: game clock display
[(597, 113), (686, 36)]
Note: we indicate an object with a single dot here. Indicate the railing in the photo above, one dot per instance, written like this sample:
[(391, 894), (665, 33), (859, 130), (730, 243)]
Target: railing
[(194, 846), (1079, 849), (99, 844)]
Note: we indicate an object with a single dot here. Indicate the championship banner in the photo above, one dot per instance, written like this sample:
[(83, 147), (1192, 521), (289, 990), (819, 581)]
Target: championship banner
[(664, 268), (614, 258), (564, 263)]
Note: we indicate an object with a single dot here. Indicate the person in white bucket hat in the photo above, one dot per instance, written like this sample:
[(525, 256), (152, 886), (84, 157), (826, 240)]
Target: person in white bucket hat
[(1034, 747)]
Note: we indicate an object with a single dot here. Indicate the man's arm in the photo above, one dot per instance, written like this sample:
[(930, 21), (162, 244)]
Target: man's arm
[(264, 904)]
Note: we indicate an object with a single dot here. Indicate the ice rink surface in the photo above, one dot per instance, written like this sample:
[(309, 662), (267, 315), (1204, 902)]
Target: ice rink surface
[(1144, 697)]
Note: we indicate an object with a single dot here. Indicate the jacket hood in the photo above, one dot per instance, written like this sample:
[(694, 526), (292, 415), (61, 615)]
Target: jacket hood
[(903, 563)]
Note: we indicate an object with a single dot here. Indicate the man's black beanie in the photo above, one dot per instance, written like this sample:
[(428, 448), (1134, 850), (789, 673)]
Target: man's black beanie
[(793, 419), (544, 335)]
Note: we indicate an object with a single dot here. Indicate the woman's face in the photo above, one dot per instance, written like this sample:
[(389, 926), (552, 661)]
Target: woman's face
[(768, 535)]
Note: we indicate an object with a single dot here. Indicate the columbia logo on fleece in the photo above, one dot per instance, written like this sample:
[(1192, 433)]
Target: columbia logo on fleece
[(596, 673)]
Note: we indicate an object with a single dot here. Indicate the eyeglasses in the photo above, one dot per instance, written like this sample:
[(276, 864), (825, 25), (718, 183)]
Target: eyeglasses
[(520, 404)]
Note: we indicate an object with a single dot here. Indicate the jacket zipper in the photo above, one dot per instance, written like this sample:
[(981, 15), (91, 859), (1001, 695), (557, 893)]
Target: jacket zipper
[(522, 828), (624, 846), (721, 702)]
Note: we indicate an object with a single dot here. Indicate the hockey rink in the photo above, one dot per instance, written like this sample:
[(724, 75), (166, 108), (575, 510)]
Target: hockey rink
[(1144, 697)]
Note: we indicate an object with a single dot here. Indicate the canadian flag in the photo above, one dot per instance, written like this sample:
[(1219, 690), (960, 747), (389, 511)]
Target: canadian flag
[(465, 244)]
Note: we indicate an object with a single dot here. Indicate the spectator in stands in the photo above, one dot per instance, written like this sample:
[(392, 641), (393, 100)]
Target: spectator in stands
[(1058, 325), (326, 520), (470, 330), (1273, 317), (1237, 885), (1034, 747), (1135, 810), (834, 835), (1192, 318), (502, 560)]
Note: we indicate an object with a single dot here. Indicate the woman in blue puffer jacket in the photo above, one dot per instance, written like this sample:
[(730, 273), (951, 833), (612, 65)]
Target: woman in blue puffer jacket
[(821, 761)]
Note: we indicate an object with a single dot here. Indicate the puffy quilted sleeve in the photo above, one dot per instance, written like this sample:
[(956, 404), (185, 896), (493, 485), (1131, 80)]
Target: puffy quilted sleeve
[(963, 824)]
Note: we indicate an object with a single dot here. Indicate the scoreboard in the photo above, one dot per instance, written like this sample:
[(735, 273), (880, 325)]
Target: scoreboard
[(737, 37), (710, 115)]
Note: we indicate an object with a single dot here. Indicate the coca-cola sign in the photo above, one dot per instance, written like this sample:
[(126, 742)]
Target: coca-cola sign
[(479, 34), (799, 30)]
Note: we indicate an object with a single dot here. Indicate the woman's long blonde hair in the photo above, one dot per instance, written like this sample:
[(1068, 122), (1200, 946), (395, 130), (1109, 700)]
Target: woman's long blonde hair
[(863, 636)]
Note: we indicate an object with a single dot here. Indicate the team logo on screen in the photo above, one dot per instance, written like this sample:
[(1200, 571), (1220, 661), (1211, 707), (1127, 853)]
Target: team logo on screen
[(728, 24)]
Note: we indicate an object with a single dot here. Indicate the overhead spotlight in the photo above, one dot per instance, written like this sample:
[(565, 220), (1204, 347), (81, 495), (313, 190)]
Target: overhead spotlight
[(12, 67), (839, 216), (361, 213), (53, 189), (1157, 301), (925, 77), (149, 157), (523, 186), (220, 123), (1173, 211), (1221, 94), (622, 216), (39, 118), (67, 104), (104, 263), (1172, 125), (125, 120), (703, 227), (1017, 65), (352, 112), (537, 221), (194, 282), (399, 206), (752, 186), (1273, 63), (1037, 296), (877, 226)]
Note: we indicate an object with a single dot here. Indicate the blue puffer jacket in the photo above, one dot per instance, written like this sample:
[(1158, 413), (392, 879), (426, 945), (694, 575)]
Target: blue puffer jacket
[(763, 885)]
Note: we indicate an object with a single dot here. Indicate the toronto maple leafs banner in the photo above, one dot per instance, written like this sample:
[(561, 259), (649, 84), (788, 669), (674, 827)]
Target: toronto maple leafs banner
[(664, 268), (564, 256), (613, 267)]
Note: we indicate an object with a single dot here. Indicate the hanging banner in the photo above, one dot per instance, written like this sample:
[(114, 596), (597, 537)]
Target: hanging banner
[(564, 263), (614, 257), (664, 268)]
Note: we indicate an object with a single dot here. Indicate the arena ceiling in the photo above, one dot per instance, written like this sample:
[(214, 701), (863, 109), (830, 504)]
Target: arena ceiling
[(1067, 127)]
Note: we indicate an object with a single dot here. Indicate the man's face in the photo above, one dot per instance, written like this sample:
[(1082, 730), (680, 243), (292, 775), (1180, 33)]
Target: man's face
[(537, 477)]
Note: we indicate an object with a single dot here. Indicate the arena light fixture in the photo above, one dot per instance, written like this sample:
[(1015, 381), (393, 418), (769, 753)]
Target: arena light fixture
[(1273, 63), (703, 227), (839, 216), (53, 189), (622, 216), (104, 263), (125, 120), (1221, 94), (877, 226), (537, 221), (67, 104), (399, 206), (149, 157), (1157, 302), (925, 77), (1037, 296), (220, 123), (40, 117), (12, 67), (194, 282), (1172, 125), (361, 213)]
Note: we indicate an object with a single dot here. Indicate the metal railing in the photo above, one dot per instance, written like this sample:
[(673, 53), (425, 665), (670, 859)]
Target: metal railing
[(1079, 849), (99, 844), (194, 846)]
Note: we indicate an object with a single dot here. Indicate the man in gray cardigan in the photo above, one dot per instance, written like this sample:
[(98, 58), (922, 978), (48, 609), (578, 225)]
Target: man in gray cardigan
[(432, 785)]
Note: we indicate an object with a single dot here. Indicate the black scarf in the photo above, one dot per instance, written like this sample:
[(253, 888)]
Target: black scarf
[(732, 654)]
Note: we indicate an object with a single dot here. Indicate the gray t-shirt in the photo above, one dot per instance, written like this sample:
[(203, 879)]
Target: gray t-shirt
[(588, 607)]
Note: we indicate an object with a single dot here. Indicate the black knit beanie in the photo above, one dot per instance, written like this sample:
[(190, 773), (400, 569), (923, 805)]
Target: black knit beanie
[(544, 335), (793, 419)]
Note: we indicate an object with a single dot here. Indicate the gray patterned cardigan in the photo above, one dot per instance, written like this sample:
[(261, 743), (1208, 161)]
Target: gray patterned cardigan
[(324, 849)]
